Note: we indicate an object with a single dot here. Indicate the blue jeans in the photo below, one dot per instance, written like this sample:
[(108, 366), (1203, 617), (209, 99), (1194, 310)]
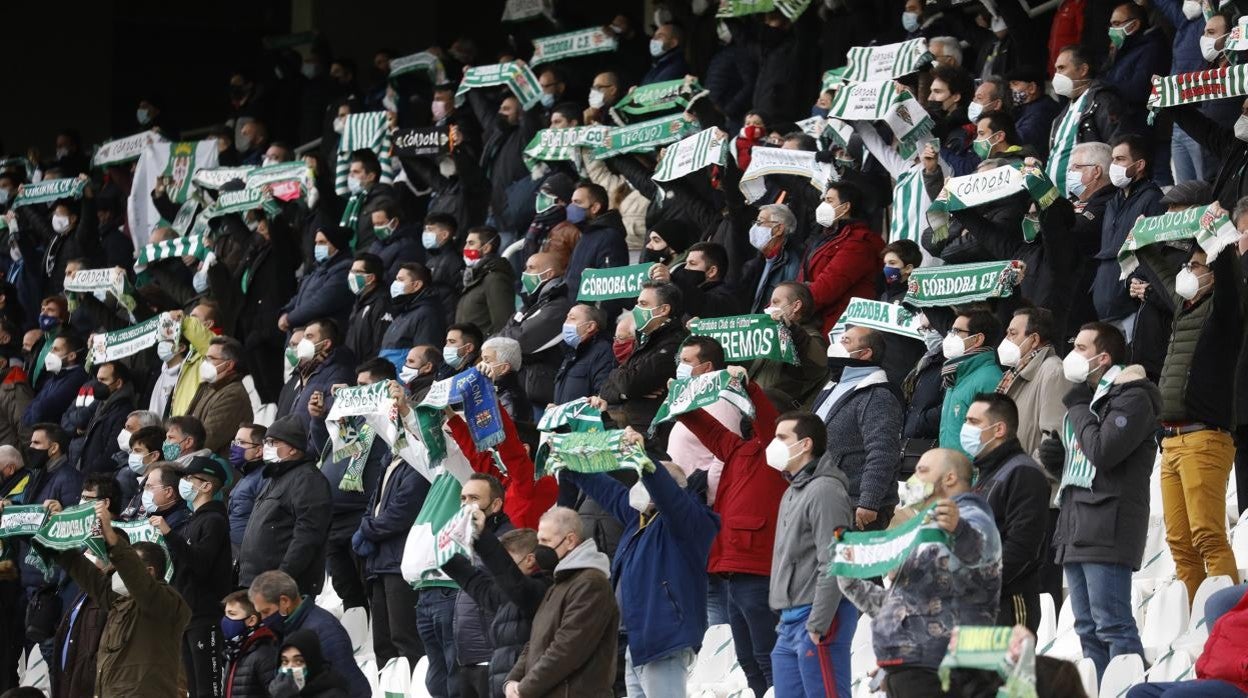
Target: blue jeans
[(659, 678), (1185, 156), (1223, 601), (1101, 598), (716, 600), (806, 670), (435, 622), (753, 626), (1202, 688)]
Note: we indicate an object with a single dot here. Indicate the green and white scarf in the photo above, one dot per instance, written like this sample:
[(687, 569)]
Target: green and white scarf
[(577, 414), (697, 392), (833, 79), (361, 414), (74, 528), (240, 202), (186, 216), (1199, 86), (979, 188), (188, 246), (987, 648), (645, 136), (892, 318), (50, 190), (909, 213), (655, 98), (455, 537), (111, 346), (420, 559), (710, 147), (423, 62), (613, 282), (958, 284), (522, 10), (22, 520), (1078, 471), (584, 42), (877, 63), (870, 554), (180, 169), (368, 130), (287, 180), (124, 150), (102, 281), (592, 452), (883, 101), (19, 161), (560, 144), (516, 76), (779, 161), (743, 8), (212, 178), (140, 531), (1212, 232), (430, 416), (748, 337), (1065, 138)]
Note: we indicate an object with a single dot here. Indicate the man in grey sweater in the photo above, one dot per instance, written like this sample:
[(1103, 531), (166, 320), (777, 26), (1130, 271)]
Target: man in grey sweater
[(816, 623)]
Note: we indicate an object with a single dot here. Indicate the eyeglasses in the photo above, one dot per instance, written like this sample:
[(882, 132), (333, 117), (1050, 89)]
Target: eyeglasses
[(271, 442), (247, 444), (960, 333), (762, 222), (1193, 265)]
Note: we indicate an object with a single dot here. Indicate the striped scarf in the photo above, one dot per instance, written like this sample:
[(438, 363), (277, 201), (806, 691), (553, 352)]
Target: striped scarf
[(909, 206), (949, 372), (367, 130), (1007, 380), (1065, 138)]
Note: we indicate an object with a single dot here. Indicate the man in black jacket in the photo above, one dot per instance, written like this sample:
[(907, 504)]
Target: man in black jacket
[(1018, 492), (290, 522), (538, 326), (587, 357), (417, 317), (602, 242), (1231, 183), (101, 435), (365, 175), (701, 281), (1088, 188), (199, 549), (446, 265), (370, 317)]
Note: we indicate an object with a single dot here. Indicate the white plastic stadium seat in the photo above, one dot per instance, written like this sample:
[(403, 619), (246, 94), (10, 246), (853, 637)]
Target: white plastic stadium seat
[(1065, 643), (1165, 619), (715, 660), (1239, 544), (36, 671), (396, 678), (1174, 666), (355, 621), (419, 690), (1123, 672), (1087, 672), (1048, 620)]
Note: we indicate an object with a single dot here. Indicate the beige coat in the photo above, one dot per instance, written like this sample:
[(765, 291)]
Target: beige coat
[(1038, 391)]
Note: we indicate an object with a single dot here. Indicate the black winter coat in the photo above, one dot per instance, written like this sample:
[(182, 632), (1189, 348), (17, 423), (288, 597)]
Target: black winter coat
[(202, 560), (387, 527), (416, 319), (539, 329), (584, 369), (472, 620), (446, 267), (403, 245), (368, 322), (338, 367), (322, 293), (55, 249), (288, 526), (250, 668), (1017, 490), (646, 372), (1232, 181), (601, 245), (1142, 198), (100, 442)]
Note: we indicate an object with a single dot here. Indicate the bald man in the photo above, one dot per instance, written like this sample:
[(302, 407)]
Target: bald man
[(966, 592), (539, 325)]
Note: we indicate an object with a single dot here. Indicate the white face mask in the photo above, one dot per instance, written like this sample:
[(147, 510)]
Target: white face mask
[(354, 185), (973, 110), (836, 350), (597, 99), (339, 124), (447, 168), (1208, 48), (760, 235), (997, 24), (123, 440), (639, 497), (408, 374), (1062, 85), (1191, 9), (1074, 183), (1008, 353), (917, 492), (656, 47), (53, 363), (118, 585), (825, 214), (60, 223), (1187, 284), (1241, 128), (305, 349), (953, 346), (269, 454), (1076, 368), (1119, 177), (777, 455), (684, 371), (207, 372), (164, 350), (723, 33)]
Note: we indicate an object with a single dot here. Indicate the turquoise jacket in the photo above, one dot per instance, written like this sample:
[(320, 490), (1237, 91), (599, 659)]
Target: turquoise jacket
[(977, 374)]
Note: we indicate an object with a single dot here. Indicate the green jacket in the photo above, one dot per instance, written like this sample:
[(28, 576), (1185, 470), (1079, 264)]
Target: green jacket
[(976, 374), (489, 296)]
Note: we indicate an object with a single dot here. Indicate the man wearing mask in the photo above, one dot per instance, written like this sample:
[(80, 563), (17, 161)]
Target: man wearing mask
[(917, 22), (508, 128), (701, 281), (502, 362), (368, 194), (863, 420), (791, 305), (369, 317), (1137, 195), (246, 458), (53, 319), (282, 609), (580, 611), (323, 291), (116, 403), (184, 439), (462, 349), (668, 54), (699, 355), (250, 649), (951, 91), (967, 594), (420, 370), (587, 357), (288, 527), (816, 622), (446, 264), (551, 231), (1088, 187), (1033, 375), (990, 96), (52, 477), (602, 242), (309, 392), (1230, 143), (72, 232), (551, 82), (146, 616), (221, 403), (538, 325), (199, 549), (840, 263), (1095, 112), (161, 502), (396, 241), (1017, 492), (970, 368), (603, 94), (1033, 109), (142, 452), (779, 258), (1107, 446), (417, 319), (670, 530), (63, 377), (640, 383), (1136, 54), (489, 283), (171, 355)]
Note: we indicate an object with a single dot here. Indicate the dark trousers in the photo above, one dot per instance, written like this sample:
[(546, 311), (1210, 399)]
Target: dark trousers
[(753, 626), (907, 681), (474, 681), (1241, 466), (344, 568), (435, 620), (394, 620), (201, 656), (12, 632), (1019, 609), (1050, 571)]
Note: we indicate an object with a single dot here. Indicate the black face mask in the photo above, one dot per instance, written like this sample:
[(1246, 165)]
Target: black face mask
[(37, 458), (546, 558), (694, 277), (661, 256), (935, 108)]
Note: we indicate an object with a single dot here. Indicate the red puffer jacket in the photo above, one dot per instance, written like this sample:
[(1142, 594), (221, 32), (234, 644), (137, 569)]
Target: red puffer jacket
[(839, 265), (525, 500), (748, 499), (1226, 651)]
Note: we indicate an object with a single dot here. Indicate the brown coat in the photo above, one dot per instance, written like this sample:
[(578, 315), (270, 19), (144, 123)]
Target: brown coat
[(221, 406), (140, 653), (15, 396), (572, 647)]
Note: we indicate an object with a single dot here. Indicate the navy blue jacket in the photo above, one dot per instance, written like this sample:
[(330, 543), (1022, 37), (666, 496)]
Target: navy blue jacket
[(335, 643), (338, 367), (323, 293), (56, 393), (417, 319), (60, 481), (1109, 295), (669, 66), (601, 245), (1034, 121), (403, 246), (401, 500), (351, 504), (584, 369), (243, 499), (659, 571), (1187, 32), (1143, 55)]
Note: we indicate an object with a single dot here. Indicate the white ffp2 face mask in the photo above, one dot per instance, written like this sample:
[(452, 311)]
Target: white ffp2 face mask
[(639, 497), (1241, 128), (1118, 176)]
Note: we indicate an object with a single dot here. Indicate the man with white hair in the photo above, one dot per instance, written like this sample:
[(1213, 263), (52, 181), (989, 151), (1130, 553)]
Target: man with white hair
[(946, 50), (1088, 187), (779, 258), (501, 361), (572, 646), (13, 473)]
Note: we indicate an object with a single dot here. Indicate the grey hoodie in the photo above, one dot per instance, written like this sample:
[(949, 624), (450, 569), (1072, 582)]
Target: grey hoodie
[(815, 505), (584, 557)]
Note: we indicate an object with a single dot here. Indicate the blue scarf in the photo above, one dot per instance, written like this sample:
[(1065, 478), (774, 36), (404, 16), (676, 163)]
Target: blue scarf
[(481, 412)]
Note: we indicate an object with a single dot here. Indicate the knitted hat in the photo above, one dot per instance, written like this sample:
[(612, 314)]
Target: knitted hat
[(560, 186), (678, 234), (289, 430), (339, 237)]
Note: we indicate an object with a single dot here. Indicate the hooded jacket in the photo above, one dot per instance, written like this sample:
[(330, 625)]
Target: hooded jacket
[(572, 647), (814, 506), (288, 526), (489, 293), (15, 396), (250, 665), (334, 645), (936, 587), (55, 394), (539, 329), (322, 680), (389, 516), (1108, 522), (446, 267)]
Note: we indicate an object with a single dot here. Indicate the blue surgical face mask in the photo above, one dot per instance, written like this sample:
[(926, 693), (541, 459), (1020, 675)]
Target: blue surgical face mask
[(570, 337), (321, 252), (819, 112), (429, 239), (149, 501), (1074, 183), (969, 438), (548, 100), (684, 371), (451, 356), (575, 213), (135, 461), (186, 490)]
